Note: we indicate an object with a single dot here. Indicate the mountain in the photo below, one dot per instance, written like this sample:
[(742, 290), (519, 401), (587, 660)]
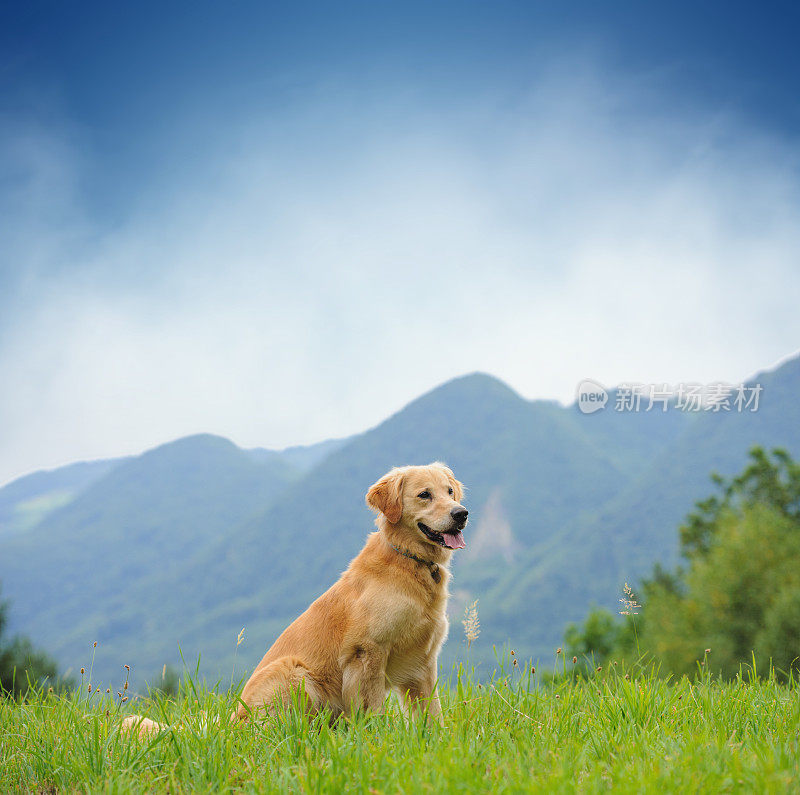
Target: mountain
[(529, 453), (657, 500), (620, 540), (530, 469), (301, 457), (630, 438), (26, 501), (78, 575), (192, 541)]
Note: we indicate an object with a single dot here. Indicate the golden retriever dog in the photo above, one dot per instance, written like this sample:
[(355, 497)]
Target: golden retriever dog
[(381, 625)]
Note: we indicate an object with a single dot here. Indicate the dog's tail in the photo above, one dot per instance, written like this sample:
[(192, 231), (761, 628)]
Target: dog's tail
[(144, 728)]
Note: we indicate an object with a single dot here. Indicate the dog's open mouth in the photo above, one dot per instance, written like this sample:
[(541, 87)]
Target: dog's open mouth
[(453, 539)]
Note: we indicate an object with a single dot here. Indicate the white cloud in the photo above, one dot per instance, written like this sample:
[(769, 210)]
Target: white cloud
[(327, 266)]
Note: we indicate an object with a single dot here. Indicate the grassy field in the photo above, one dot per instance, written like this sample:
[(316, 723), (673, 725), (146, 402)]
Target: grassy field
[(517, 733)]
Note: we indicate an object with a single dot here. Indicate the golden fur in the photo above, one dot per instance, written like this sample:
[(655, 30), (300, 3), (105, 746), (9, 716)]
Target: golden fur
[(381, 625)]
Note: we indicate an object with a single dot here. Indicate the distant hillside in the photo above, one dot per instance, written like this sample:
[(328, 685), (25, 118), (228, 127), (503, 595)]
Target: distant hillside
[(529, 453), (623, 537), (302, 457), (194, 540), (80, 574), (27, 500)]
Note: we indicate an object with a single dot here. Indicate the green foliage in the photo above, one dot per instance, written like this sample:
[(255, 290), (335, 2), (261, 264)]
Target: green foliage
[(595, 639), (740, 596), (626, 731), (779, 637), (602, 638)]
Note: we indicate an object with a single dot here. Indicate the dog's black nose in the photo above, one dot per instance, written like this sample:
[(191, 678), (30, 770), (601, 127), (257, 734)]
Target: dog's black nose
[(459, 515)]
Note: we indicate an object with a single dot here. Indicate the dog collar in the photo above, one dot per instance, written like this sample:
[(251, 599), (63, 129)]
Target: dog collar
[(432, 567)]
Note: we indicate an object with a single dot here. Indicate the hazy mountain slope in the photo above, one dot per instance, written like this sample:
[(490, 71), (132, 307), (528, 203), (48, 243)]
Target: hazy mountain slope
[(715, 441), (632, 439), (27, 500), (526, 456), (305, 457), (301, 457), (638, 526), (79, 575), (192, 541)]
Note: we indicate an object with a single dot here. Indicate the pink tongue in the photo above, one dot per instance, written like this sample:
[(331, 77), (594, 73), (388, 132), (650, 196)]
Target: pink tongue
[(454, 540)]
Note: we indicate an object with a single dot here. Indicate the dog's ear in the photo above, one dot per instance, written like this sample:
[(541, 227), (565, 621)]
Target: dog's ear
[(386, 496)]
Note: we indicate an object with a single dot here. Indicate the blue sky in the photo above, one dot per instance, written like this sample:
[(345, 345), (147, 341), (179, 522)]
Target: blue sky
[(280, 222)]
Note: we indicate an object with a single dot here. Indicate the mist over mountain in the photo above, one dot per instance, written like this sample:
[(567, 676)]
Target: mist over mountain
[(190, 542)]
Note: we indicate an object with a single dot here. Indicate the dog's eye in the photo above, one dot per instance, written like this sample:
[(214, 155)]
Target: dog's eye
[(424, 495), (450, 491)]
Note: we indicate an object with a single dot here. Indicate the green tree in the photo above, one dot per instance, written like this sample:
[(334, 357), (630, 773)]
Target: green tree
[(739, 597), (595, 639)]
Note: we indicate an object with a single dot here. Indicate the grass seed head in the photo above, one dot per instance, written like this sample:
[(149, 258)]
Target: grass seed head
[(630, 607), (472, 627)]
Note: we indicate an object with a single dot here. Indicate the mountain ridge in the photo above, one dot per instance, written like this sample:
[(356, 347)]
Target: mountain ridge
[(565, 507)]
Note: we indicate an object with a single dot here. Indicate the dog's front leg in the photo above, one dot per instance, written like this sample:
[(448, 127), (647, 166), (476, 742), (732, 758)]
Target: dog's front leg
[(364, 677), (421, 697)]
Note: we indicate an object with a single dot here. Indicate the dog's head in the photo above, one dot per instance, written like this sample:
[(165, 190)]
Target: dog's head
[(420, 505)]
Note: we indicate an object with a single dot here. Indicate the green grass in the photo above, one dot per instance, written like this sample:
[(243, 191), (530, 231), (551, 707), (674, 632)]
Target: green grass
[(517, 733)]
